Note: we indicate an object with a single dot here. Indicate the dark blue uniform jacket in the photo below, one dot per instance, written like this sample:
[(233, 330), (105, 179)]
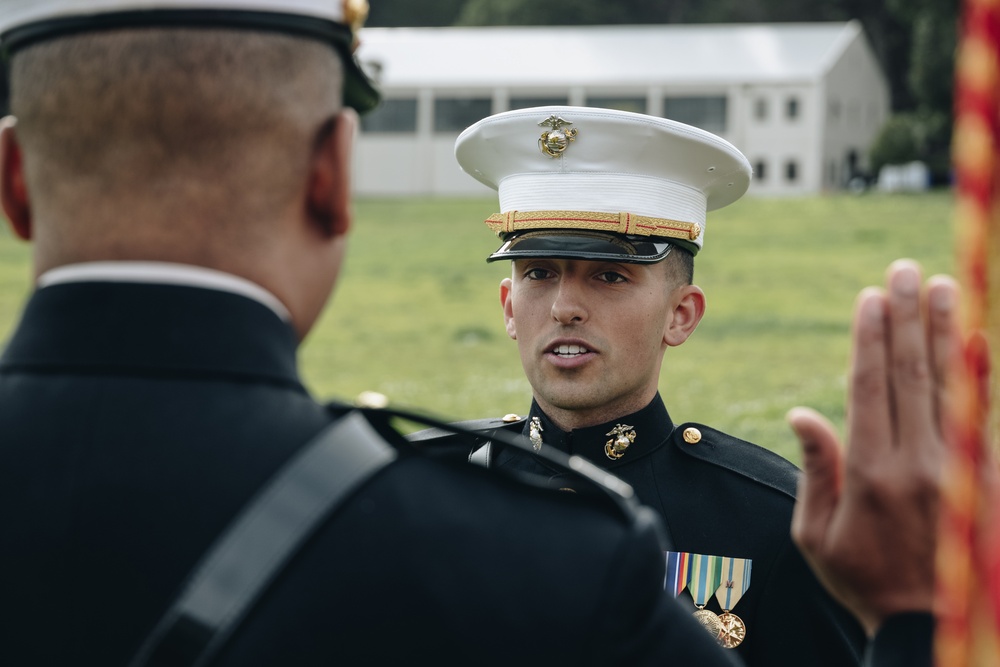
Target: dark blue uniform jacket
[(136, 420)]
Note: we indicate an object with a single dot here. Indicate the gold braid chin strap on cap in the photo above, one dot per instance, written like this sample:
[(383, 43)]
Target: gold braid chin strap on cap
[(621, 223)]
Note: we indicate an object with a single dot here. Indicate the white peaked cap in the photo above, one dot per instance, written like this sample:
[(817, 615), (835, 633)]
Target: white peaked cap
[(24, 22), (593, 171)]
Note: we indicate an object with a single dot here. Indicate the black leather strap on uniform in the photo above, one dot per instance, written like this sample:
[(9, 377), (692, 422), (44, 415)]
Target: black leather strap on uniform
[(614, 489), (255, 547), (619, 491)]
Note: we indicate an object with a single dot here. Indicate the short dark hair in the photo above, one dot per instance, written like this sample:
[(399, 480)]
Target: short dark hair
[(680, 265), (227, 115)]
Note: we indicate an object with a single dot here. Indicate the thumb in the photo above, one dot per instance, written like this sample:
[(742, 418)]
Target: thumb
[(819, 486)]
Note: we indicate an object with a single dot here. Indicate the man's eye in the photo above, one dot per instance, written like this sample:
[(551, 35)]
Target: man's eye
[(612, 277), (536, 274)]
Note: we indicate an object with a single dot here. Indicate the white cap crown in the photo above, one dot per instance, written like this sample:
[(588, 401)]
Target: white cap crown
[(638, 175)]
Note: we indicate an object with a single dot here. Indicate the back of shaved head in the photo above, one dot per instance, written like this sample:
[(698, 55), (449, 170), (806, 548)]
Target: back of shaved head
[(207, 128)]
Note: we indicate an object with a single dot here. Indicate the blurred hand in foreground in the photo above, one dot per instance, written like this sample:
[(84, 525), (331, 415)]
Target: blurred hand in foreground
[(866, 518)]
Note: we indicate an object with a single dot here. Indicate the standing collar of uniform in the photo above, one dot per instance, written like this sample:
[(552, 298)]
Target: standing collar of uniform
[(163, 273), (652, 426)]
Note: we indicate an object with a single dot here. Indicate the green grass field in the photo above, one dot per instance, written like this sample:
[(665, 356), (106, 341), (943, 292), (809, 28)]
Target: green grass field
[(416, 315)]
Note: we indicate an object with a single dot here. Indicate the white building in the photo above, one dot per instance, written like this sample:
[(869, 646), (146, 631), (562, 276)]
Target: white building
[(802, 101)]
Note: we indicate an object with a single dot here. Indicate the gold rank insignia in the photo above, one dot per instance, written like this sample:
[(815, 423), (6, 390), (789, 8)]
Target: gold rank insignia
[(558, 137), (622, 436)]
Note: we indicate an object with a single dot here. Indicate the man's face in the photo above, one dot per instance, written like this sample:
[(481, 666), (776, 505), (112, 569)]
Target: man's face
[(592, 334)]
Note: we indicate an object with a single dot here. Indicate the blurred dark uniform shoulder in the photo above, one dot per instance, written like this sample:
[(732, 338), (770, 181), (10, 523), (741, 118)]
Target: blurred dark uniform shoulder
[(718, 495), (137, 419)]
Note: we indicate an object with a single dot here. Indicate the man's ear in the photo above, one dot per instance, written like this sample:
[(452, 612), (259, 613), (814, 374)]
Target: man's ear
[(329, 194), (13, 190), (688, 309), (506, 286)]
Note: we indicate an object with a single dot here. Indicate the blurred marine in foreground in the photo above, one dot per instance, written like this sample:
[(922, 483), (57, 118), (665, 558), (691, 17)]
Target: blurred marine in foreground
[(181, 168)]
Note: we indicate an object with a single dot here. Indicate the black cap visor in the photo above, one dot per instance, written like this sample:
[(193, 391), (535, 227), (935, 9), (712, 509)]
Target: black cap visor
[(579, 244), (359, 92)]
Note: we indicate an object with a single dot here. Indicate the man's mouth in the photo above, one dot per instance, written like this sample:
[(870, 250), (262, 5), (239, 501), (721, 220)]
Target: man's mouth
[(569, 351)]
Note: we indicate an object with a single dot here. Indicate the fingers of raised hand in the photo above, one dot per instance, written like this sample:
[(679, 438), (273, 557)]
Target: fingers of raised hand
[(911, 371), (868, 414), (905, 338), (944, 340)]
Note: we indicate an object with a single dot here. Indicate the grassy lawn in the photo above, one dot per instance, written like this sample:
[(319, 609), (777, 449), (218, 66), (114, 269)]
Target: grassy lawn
[(417, 317)]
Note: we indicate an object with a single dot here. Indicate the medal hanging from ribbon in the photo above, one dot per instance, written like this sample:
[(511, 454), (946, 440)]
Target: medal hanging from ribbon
[(704, 579), (676, 579), (735, 582)]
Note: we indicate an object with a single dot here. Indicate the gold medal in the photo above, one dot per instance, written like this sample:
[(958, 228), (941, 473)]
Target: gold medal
[(735, 582), (703, 580), (733, 630), (710, 622)]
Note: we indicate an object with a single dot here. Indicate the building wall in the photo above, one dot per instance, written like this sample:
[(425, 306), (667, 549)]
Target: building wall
[(801, 137), (418, 157), (856, 105), (778, 128), (780, 125)]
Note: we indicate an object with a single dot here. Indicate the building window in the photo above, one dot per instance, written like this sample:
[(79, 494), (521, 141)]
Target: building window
[(633, 104), (455, 114), (791, 171), (834, 109), (395, 116), (760, 170), (760, 108), (792, 108), (528, 102), (708, 113)]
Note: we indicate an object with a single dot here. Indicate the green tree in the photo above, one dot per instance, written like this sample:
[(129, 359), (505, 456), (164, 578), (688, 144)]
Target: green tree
[(532, 12), (4, 87), (426, 13), (900, 141)]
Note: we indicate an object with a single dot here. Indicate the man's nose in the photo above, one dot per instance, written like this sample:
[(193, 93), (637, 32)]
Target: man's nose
[(570, 305)]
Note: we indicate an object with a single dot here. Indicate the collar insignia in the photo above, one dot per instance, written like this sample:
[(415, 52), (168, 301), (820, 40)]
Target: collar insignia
[(535, 433), (622, 436)]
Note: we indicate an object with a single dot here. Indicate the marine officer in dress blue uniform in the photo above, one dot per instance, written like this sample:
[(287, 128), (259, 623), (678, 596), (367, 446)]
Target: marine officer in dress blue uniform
[(601, 215), (182, 168)]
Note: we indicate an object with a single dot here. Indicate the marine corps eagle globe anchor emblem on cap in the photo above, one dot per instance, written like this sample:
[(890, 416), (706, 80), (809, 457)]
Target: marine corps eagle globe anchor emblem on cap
[(556, 140)]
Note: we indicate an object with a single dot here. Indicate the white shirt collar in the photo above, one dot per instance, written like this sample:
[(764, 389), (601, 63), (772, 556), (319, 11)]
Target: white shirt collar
[(163, 273)]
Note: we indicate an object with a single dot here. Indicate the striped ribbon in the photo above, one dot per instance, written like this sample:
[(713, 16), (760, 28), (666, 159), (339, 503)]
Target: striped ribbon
[(676, 579), (705, 578), (735, 581)]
